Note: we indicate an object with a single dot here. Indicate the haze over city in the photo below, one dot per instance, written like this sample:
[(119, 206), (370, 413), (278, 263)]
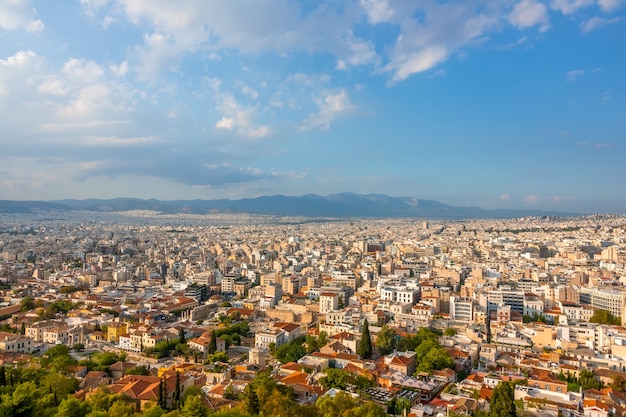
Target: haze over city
[(496, 104)]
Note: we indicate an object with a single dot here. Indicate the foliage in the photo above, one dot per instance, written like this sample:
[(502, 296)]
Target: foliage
[(605, 317), (216, 357), (339, 405), (450, 331), (365, 347), (619, 384), (587, 380), (412, 342), (138, 370), (535, 318), (502, 401), (338, 378), (212, 344), (68, 289), (312, 344), (27, 303), (386, 340), (290, 351)]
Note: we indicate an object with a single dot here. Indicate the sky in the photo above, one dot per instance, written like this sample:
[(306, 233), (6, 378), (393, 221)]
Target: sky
[(494, 103)]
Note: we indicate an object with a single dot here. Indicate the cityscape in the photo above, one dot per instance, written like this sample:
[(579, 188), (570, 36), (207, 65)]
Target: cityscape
[(292, 208), (409, 316)]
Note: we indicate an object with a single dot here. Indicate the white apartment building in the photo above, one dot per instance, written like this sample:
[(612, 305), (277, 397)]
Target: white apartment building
[(461, 309), (329, 301), (611, 300), (400, 294), (264, 338)]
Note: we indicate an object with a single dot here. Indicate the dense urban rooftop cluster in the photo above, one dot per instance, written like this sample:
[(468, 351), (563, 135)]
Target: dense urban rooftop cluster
[(416, 317)]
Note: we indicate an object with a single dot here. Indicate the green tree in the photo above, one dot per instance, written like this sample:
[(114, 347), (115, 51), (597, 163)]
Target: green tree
[(121, 408), (365, 347), (194, 407), (436, 358), (322, 339), (138, 370), (27, 303), (176, 397), (587, 379), (291, 351), (3, 376), (73, 407), (181, 335), (336, 378), (153, 410), (251, 400), (605, 317), (338, 406), (311, 344), (450, 331), (19, 403), (502, 401), (368, 409), (212, 344), (386, 340)]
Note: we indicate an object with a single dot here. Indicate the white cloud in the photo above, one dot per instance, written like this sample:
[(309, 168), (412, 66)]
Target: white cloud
[(378, 11), (19, 14), (238, 117), (574, 74), (597, 22), (610, 5), (404, 66), (528, 13), (531, 199), (570, 6), (119, 69), (330, 107), (505, 197)]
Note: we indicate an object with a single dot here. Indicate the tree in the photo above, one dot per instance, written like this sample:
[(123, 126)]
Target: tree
[(365, 347), (322, 339), (502, 404), (338, 406), (3, 376), (386, 340), (251, 400), (587, 379), (213, 343), (176, 396), (27, 304), (194, 407), (138, 370), (450, 331), (604, 317), (154, 410), (121, 408), (162, 397), (73, 407), (181, 335), (311, 344), (436, 358)]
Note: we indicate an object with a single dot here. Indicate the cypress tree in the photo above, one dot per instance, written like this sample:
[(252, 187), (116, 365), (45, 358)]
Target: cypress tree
[(176, 398), (213, 344), (365, 348), (3, 376), (181, 336), (161, 400), (251, 400)]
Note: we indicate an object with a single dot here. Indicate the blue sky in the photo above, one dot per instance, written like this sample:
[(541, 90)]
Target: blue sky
[(495, 103)]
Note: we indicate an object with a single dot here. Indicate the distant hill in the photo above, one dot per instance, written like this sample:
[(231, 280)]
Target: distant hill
[(309, 205)]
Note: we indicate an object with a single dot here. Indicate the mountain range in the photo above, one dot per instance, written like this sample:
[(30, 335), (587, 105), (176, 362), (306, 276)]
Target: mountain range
[(309, 205)]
